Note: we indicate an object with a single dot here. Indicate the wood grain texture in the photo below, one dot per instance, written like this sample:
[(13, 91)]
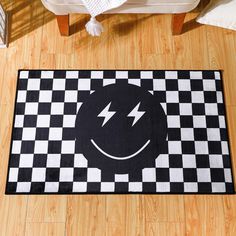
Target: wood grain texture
[(46, 209), (43, 229), (166, 228), (86, 215), (129, 42)]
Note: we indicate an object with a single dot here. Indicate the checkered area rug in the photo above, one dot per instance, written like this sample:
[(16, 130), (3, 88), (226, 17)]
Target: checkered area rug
[(56, 113)]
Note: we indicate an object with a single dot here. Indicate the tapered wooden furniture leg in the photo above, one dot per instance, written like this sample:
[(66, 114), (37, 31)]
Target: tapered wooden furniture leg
[(177, 23), (63, 24)]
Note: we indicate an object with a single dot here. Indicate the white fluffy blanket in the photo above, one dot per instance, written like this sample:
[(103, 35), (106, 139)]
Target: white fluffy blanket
[(96, 7)]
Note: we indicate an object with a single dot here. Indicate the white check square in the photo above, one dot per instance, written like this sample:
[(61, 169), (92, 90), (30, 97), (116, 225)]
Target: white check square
[(59, 84), (19, 121), (185, 109), (184, 85), (189, 161), (23, 187), (159, 85), (38, 174), (43, 121), (174, 147), (162, 187), (71, 96), (172, 96), (13, 175), (16, 147), (57, 108), (55, 133), (53, 160), (199, 122), (66, 174), (176, 175), (72, 74), (121, 74), (47, 74), (211, 109), (216, 161), (196, 75), (26, 160), (84, 85), (79, 187), (45, 96), (31, 108), (213, 134), (24, 75), (201, 147), (197, 96), (21, 96), (173, 121), (135, 187), (203, 175), (94, 175), (69, 121), (96, 74), (33, 84), (51, 187), (209, 85), (41, 147), (171, 75), (107, 187), (68, 147), (29, 134), (187, 134), (149, 175), (146, 74)]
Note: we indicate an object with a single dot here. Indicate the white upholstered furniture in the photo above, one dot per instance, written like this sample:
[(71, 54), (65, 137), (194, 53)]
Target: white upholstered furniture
[(62, 9), (221, 13)]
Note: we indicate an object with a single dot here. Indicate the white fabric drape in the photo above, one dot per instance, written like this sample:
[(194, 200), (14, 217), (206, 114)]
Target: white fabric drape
[(96, 7)]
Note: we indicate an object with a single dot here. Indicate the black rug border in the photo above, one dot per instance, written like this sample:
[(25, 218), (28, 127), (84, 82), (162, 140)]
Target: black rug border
[(221, 71)]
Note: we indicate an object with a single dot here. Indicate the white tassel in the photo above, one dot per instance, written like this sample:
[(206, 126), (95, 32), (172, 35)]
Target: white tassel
[(94, 27)]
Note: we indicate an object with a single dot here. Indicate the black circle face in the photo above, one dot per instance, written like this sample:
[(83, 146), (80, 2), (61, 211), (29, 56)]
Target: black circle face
[(121, 128)]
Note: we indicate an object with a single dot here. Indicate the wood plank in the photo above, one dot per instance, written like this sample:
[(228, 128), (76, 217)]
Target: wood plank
[(230, 215), (230, 69), (16, 217), (135, 216), (86, 215), (165, 228), (164, 208), (4, 206), (158, 29), (46, 208), (43, 229), (116, 207), (231, 114), (198, 50), (221, 57), (204, 215), (195, 215), (182, 53)]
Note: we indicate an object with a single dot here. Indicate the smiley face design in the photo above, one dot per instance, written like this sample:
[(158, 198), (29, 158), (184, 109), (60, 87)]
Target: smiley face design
[(121, 128)]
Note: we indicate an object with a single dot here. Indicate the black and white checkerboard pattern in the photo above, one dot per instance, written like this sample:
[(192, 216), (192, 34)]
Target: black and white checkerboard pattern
[(43, 158)]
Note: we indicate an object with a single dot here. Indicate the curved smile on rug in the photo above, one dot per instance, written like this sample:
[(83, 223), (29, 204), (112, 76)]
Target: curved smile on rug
[(116, 157)]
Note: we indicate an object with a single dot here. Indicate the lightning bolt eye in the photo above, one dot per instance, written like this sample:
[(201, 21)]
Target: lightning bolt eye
[(136, 114), (106, 114)]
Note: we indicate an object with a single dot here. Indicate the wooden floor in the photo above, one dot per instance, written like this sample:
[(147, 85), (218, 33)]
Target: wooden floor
[(129, 42)]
